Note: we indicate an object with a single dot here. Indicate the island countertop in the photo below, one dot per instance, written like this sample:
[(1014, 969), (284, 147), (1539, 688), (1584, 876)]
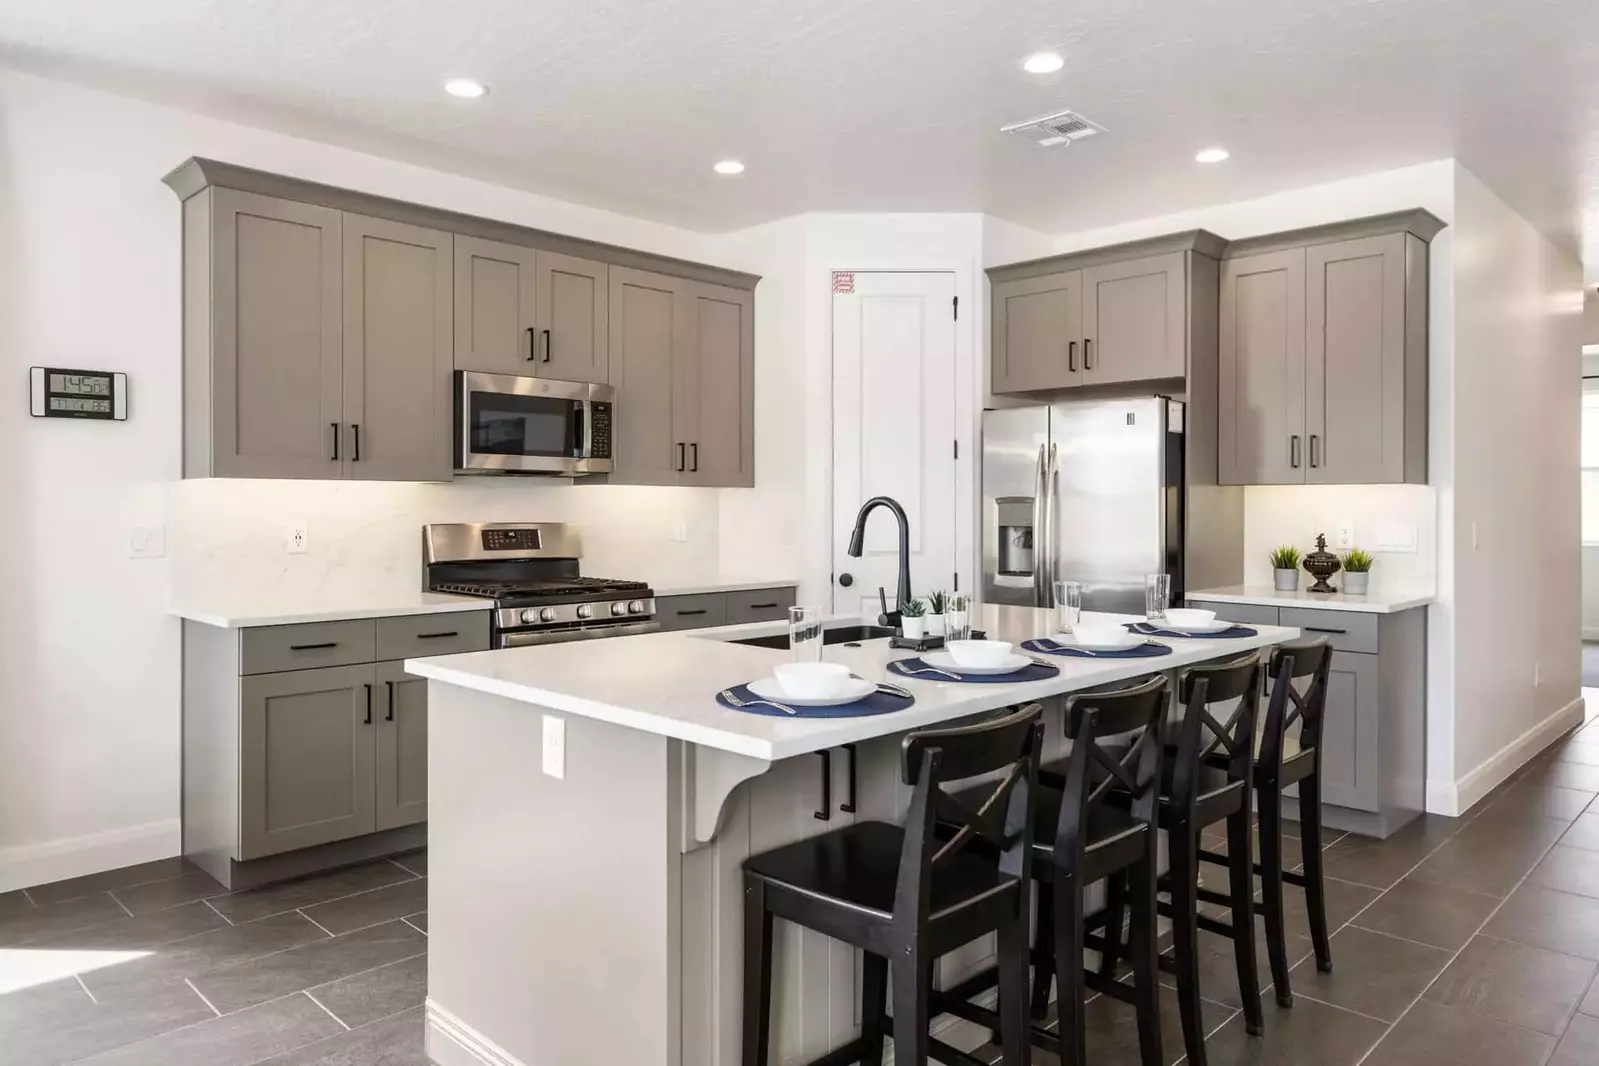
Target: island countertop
[(666, 683)]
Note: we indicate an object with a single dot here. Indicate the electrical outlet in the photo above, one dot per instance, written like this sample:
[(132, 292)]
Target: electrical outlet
[(1346, 535), (147, 542), (555, 746), (297, 539)]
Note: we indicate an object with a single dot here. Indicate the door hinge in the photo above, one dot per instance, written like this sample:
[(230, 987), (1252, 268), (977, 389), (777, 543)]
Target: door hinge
[(957, 449), (957, 307), (956, 584)]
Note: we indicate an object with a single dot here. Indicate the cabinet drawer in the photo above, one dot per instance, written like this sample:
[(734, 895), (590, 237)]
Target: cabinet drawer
[(1247, 613), (1345, 630), (692, 612), (269, 649), (758, 605), (416, 635)]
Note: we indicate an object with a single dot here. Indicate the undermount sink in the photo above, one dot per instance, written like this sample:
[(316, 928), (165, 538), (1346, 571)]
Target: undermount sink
[(836, 635)]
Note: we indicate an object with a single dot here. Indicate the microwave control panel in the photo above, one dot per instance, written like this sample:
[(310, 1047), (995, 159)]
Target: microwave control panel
[(600, 434)]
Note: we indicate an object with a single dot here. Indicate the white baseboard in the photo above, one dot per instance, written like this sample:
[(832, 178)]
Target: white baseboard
[(451, 1042), (27, 865), (1457, 798), (1590, 632)]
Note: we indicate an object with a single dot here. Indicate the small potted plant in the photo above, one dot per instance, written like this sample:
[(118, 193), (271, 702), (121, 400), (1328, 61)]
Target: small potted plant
[(1357, 571), (913, 620), (936, 602), (1285, 568)]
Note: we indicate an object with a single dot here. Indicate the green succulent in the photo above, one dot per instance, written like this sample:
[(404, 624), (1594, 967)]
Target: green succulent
[(913, 609), (1357, 561), (937, 600), (1285, 557)]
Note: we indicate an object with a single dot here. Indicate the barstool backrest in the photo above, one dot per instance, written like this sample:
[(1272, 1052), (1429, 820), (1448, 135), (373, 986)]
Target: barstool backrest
[(1289, 662), (1133, 717), (933, 758), (1200, 735)]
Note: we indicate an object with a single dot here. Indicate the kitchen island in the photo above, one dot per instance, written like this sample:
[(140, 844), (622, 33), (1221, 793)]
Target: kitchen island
[(591, 912)]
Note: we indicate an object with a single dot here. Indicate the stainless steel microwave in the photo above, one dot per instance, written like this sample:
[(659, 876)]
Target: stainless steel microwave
[(510, 424)]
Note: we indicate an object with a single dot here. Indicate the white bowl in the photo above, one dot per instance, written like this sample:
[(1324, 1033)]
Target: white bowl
[(1100, 636), (808, 681), (978, 653), (1189, 617)]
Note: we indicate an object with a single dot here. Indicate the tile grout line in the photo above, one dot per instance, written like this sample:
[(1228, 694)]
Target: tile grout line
[(330, 899), (79, 979), (119, 903), (201, 994), (314, 922), (218, 913), (307, 994), (413, 925)]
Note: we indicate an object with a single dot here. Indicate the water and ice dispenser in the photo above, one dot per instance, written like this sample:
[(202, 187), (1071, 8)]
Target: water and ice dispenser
[(1015, 540)]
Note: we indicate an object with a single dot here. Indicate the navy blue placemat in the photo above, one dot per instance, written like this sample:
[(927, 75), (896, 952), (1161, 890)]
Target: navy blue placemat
[(1147, 650), (1147, 630), (911, 667), (879, 702)]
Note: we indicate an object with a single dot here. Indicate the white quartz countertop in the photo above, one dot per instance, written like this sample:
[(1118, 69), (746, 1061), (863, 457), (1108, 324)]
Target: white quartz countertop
[(268, 611), (666, 683), (693, 586), (1379, 601)]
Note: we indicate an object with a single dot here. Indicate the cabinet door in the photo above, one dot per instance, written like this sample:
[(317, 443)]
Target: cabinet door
[(1262, 370), (646, 322), (494, 307), (305, 758), (1135, 319), (1350, 761), (398, 351), (715, 368), (572, 298), (402, 748), (1355, 361), (276, 404), (1038, 333)]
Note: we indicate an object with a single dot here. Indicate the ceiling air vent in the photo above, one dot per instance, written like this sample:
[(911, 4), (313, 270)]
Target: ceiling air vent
[(1063, 127)]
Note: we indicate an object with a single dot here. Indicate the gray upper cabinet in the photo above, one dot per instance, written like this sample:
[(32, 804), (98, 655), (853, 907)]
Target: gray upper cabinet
[(572, 298), (1037, 332), (402, 748), (262, 328), (398, 314), (495, 307), (1135, 320), (717, 374), (647, 323), (306, 758), (1261, 423), (1323, 357)]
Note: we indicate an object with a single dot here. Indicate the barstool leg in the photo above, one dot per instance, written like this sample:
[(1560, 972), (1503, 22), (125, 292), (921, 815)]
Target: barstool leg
[(757, 974), (874, 1000), (1013, 951), (1146, 967), (1184, 877), (1315, 884), (1241, 878), (1044, 951), (1115, 918), (1271, 886), (1070, 988), (913, 982)]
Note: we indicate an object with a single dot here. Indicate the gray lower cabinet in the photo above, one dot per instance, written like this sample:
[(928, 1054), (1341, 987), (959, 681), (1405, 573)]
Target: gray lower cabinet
[(707, 609), (401, 758)]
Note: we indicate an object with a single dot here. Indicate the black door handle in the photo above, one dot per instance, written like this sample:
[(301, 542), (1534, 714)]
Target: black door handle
[(694, 457), (1071, 357), (846, 580), (335, 427), (390, 716), (532, 344), (1314, 452), (546, 346), (368, 704), (824, 811), (848, 806), (356, 427), (1088, 354), (1293, 451), (680, 462)]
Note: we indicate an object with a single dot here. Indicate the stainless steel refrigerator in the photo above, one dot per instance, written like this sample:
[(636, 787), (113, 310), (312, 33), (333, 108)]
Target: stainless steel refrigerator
[(1089, 491)]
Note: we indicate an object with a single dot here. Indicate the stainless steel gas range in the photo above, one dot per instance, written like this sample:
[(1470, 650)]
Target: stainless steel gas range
[(530, 571)]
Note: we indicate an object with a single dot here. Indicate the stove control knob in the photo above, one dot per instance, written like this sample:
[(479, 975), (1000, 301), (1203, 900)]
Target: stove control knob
[(530, 616), (618, 608), (585, 611), (547, 614), (635, 607)]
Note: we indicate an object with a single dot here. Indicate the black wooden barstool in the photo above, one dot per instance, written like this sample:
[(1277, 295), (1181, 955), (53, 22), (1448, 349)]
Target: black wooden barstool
[(1283, 758), (1205, 780), (903, 897), (1079, 839)]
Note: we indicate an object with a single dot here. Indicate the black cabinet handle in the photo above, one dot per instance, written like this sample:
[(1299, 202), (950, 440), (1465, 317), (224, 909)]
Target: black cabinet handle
[(532, 344), (680, 462), (1315, 629), (1293, 451), (356, 429), (335, 427), (824, 811), (1071, 357), (368, 704), (682, 614), (762, 606), (313, 647), (1314, 452), (436, 636), (546, 346), (694, 454), (1088, 354), (390, 716), (848, 806)]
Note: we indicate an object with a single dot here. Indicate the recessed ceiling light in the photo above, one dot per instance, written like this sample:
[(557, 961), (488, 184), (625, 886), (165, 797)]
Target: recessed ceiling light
[(1210, 155), (729, 166), (465, 87), (1043, 63)]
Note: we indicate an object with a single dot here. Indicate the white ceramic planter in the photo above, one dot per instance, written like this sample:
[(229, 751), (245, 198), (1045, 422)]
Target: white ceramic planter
[(1285, 580), (935, 625), (913, 628), (1356, 582)]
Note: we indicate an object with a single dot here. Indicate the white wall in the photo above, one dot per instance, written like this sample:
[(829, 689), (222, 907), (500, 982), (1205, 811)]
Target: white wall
[(89, 273)]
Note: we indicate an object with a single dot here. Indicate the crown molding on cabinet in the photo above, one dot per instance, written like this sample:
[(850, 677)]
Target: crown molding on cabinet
[(1418, 222), (1195, 240)]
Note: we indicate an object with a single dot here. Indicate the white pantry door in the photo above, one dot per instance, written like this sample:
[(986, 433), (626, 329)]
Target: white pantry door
[(893, 430)]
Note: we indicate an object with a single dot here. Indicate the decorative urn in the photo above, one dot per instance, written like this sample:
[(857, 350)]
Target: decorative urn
[(1322, 564)]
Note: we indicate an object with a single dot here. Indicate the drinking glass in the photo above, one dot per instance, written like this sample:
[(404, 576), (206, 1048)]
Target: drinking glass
[(805, 633), (1068, 605), (957, 616), (1157, 597)]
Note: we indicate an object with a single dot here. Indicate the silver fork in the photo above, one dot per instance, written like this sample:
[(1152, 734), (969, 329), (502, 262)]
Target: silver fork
[(926, 670), (733, 698), (884, 686)]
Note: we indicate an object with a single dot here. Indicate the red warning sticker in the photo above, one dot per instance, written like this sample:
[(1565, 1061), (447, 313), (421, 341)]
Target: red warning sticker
[(843, 282)]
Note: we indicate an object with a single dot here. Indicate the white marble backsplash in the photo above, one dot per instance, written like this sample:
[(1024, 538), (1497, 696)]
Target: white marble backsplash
[(365, 538)]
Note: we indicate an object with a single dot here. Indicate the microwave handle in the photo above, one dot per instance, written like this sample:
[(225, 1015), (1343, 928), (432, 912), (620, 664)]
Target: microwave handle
[(579, 430)]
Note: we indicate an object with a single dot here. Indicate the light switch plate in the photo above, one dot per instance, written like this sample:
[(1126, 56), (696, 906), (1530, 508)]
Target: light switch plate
[(555, 746), (1396, 537), (147, 542)]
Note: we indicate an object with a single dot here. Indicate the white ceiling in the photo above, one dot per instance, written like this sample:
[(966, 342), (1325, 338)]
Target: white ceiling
[(881, 104)]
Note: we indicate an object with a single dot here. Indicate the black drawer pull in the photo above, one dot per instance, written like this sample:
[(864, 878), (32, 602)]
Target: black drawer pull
[(848, 806), (313, 647), (1317, 629), (824, 811), (762, 606), (390, 716), (436, 636), (700, 611), (368, 704)]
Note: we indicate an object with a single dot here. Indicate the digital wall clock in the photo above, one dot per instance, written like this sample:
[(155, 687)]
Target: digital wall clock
[(61, 393)]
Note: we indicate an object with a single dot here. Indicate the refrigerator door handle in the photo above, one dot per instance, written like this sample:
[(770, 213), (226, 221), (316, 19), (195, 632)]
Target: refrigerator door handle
[(1039, 544), (1052, 485)]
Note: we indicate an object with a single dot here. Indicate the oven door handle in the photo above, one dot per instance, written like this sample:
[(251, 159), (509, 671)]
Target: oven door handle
[(528, 638)]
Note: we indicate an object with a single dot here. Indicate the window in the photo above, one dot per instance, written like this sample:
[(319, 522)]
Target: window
[(1590, 461)]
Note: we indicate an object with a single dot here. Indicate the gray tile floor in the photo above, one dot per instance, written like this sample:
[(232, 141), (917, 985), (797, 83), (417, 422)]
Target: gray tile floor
[(1470, 941)]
